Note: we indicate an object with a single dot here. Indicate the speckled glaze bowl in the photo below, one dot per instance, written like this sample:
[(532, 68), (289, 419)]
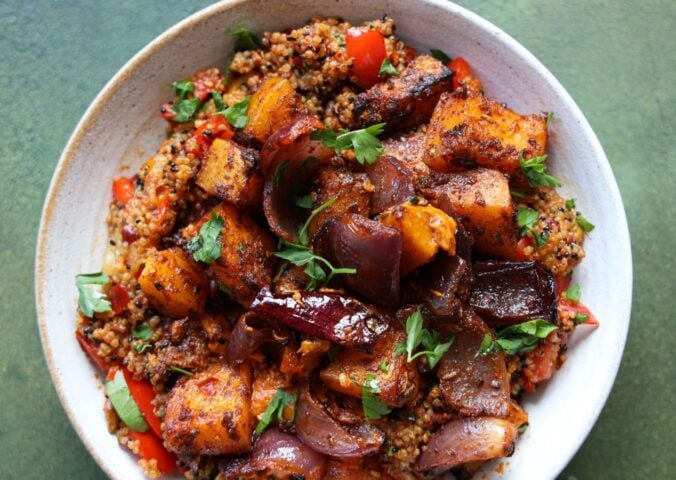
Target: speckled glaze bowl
[(122, 128)]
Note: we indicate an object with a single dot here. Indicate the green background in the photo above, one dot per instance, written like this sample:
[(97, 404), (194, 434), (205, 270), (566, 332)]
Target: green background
[(616, 58)]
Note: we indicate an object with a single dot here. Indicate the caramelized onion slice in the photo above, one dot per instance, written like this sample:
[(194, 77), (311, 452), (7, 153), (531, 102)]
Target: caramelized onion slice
[(392, 181), (467, 440), (373, 249), (321, 432), (250, 332), (280, 455), (288, 158), (331, 316)]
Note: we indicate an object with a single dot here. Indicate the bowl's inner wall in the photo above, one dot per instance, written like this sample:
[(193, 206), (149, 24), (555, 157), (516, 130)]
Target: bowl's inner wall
[(123, 129)]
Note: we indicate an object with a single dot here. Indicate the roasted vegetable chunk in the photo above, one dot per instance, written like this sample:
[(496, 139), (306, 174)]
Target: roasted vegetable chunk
[(231, 173), (407, 100), (173, 283), (481, 201), (210, 413), (351, 192), (424, 229), (246, 261), (271, 105), (474, 131), (398, 379)]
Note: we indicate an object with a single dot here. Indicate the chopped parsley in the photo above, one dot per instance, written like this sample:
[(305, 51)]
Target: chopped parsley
[(535, 171), (142, 332), (373, 406), (205, 246), (185, 108), (574, 293), (118, 392), (523, 427), (305, 201), (570, 204), (235, 114), (580, 318), (246, 39), (522, 337), (526, 218), (180, 370), (440, 55), (275, 409), (91, 300), (540, 238), (384, 366), (416, 335), (367, 148), (386, 68), (584, 224)]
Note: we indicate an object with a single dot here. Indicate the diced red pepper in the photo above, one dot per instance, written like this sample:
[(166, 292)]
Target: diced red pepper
[(151, 447), (461, 71), (167, 111), (92, 350), (214, 127), (207, 81), (124, 189), (366, 47), (119, 298), (521, 246), (541, 363), (566, 306)]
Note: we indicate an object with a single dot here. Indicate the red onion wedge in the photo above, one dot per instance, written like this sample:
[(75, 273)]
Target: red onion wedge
[(250, 332), (281, 455)]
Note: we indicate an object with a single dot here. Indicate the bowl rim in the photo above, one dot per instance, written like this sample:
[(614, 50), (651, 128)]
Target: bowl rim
[(111, 87)]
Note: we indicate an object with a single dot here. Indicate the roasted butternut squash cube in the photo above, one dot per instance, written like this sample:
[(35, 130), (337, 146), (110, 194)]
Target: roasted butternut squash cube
[(398, 380), (231, 173), (173, 283), (265, 387), (425, 229), (246, 260), (407, 100), (271, 105), (471, 131), (481, 201), (210, 412)]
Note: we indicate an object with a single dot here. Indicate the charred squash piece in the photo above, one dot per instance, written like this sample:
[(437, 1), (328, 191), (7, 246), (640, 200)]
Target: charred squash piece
[(505, 293), (231, 173), (274, 103), (407, 100), (481, 201), (474, 131), (398, 379), (173, 283), (210, 412)]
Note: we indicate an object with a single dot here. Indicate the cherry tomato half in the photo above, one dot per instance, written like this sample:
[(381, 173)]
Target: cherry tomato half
[(366, 47)]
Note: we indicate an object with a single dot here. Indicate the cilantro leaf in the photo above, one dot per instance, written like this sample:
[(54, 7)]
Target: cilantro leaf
[(142, 332), (185, 109), (418, 335), (218, 100), (574, 293), (367, 148), (278, 176), (118, 392), (570, 204), (183, 371), (522, 337), (584, 224), (373, 406), (305, 201), (535, 171), (302, 234), (246, 39), (275, 409), (541, 238), (386, 68), (526, 218), (182, 88), (440, 55), (91, 300), (236, 114), (205, 246), (384, 366), (516, 193)]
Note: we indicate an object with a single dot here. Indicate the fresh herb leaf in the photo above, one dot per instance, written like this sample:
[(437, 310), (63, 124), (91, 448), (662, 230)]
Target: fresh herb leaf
[(574, 293), (218, 100), (275, 409), (535, 171), (384, 366), (550, 115), (183, 371), (373, 406), (91, 300), (302, 233), (118, 392), (279, 172), (182, 88), (570, 204), (522, 428), (400, 348), (305, 201), (367, 148), (540, 238), (417, 335), (205, 246), (440, 55), (236, 114), (142, 332), (516, 193), (526, 218), (580, 318), (584, 224), (184, 110), (386, 68), (142, 347), (246, 39), (522, 337)]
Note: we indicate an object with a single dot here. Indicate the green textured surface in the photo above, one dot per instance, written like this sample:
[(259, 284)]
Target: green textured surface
[(616, 58)]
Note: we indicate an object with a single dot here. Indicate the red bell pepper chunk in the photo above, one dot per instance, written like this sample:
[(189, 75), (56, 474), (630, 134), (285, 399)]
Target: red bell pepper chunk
[(568, 306), (366, 47), (124, 189), (119, 298), (151, 447), (214, 127), (143, 394), (461, 71), (91, 350)]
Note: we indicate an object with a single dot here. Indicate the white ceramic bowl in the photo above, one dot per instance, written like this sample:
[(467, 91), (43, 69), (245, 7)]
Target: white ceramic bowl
[(122, 127)]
